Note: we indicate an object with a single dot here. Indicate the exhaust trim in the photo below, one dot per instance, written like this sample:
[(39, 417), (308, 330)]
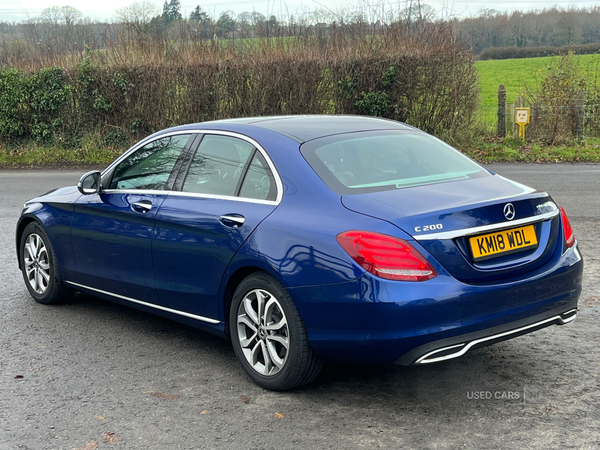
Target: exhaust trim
[(460, 349)]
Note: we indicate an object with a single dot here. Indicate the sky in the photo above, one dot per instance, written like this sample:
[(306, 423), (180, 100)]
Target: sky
[(19, 10)]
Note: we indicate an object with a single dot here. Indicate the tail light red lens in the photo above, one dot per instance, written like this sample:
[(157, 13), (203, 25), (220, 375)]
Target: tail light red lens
[(386, 256), (567, 228)]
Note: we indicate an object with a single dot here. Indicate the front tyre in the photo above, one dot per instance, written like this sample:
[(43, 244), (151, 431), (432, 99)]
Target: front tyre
[(40, 269), (268, 335)]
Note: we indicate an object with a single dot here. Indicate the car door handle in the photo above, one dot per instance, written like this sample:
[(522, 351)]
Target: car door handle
[(142, 206), (233, 220)]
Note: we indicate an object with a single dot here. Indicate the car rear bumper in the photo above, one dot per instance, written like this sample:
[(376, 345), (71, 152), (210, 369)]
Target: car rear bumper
[(454, 347), (374, 321)]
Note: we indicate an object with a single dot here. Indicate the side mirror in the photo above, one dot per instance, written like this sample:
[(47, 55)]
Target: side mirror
[(90, 183)]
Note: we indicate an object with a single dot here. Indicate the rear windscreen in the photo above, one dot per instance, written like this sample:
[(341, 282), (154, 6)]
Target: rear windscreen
[(382, 160)]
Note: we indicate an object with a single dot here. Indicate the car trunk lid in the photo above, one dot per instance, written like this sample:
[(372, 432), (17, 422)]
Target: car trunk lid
[(479, 230)]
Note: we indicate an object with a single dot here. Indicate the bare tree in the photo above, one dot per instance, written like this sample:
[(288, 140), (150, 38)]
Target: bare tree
[(61, 15), (244, 20), (137, 15), (417, 12), (52, 15), (70, 15)]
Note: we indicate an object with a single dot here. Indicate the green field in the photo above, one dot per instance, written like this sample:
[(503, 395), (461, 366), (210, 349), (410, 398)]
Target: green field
[(517, 75)]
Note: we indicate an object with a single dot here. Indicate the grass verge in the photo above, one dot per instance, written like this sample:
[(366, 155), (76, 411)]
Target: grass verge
[(35, 156), (493, 149)]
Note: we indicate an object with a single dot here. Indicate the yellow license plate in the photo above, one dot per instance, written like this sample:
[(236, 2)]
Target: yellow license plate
[(503, 242)]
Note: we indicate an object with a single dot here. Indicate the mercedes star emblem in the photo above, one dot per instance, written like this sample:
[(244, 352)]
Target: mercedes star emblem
[(509, 211)]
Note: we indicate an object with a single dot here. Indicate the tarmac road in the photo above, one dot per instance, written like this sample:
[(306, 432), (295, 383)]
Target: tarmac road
[(71, 375), (574, 186)]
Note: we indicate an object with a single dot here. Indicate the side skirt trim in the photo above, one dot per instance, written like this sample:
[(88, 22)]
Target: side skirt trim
[(150, 305)]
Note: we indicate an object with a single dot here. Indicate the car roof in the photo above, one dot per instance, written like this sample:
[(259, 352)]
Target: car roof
[(309, 127)]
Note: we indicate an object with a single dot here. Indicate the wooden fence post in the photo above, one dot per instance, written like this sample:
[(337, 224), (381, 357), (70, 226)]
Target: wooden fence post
[(501, 111), (518, 103), (578, 116)]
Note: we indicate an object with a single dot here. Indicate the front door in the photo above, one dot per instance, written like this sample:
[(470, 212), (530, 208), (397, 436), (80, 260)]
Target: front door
[(112, 231)]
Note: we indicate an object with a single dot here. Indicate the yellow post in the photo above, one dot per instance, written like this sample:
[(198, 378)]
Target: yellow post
[(522, 117)]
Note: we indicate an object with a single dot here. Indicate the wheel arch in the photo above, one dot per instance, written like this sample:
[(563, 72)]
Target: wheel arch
[(26, 220), (289, 343), (231, 285), (233, 281)]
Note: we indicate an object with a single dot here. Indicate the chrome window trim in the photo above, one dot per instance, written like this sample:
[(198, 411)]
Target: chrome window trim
[(486, 228), (190, 194), (151, 305), (263, 152), (225, 197), (425, 359)]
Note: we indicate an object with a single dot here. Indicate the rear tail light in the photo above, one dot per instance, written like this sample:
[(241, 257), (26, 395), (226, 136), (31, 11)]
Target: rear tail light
[(567, 228), (386, 256)]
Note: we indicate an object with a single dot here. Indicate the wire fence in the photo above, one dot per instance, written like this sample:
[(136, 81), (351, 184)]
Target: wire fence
[(551, 123)]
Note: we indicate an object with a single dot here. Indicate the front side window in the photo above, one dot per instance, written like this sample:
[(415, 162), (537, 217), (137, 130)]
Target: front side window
[(150, 166), (374, 161), (217, 166)]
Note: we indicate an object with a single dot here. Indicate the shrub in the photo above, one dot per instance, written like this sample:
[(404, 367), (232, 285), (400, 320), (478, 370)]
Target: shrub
[(418, 76), (12, 95), (559, 101), (48, 93), (537, 52)]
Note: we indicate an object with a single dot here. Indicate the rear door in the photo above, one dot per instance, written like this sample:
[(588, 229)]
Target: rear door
[(112, 231), (225, 192)]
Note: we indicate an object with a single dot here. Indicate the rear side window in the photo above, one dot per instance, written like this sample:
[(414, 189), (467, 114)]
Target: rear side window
[(259, 182), (374, 161)]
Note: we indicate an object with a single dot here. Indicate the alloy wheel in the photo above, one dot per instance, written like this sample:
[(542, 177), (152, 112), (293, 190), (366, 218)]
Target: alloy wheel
[(263, 332), (37, 263)]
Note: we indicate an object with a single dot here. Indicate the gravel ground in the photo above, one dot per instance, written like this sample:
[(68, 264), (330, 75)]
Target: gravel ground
[(588, 235), (92, 374)]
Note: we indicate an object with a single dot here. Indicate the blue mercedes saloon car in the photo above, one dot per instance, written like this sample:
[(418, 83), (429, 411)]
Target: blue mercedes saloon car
[(306, 239)]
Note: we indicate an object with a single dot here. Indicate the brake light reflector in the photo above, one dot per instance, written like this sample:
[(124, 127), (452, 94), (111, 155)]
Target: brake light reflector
[(386, 256), (567, 228)]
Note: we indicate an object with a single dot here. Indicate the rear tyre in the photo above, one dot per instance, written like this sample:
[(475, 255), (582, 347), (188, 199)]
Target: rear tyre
[(268, 335), (40, 269)]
